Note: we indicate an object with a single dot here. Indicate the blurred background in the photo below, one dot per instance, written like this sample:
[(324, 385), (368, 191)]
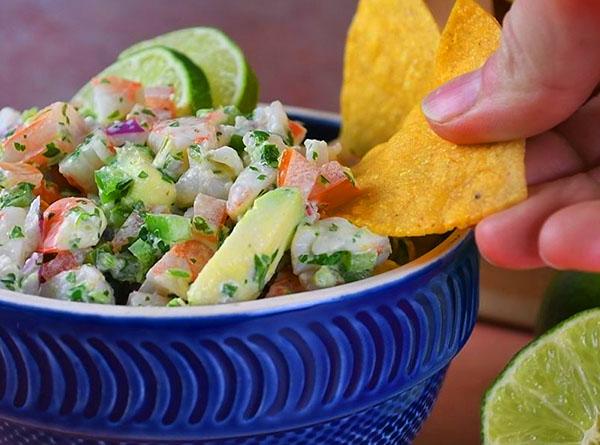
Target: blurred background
[(49, 48)]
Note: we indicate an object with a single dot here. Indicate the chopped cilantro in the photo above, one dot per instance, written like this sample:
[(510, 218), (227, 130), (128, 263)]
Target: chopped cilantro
[(179, 273), (351, 266), (115, 114), (315, 155), (333, 227), (78, 293), (11, 281), (270, 155), (74, 243), (166, 177), (19, 147), (323, 180), (177, 302), (64, 113), (260, 136), (148, 112), (71, 277), (16, 233), (174, 124), (261, 267), (142, 175), (229, 289), (261, 177), (201, 225), (21, 195)]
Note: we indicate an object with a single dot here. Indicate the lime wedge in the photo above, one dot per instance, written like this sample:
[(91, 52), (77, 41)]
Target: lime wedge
[(157, 66), (550, 392), (231, 80)]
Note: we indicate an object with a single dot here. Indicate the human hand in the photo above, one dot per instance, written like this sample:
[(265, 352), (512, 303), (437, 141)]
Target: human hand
[(537, 85)]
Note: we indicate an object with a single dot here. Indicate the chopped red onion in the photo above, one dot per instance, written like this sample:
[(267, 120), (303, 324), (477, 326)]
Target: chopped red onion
[(126, 131)]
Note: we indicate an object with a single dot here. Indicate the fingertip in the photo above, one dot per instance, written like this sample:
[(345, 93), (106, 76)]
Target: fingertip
[(502, 245), (570, 238)]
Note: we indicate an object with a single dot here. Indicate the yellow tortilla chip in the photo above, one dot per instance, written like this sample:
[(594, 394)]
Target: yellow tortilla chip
[(418, 183), (388, 67)]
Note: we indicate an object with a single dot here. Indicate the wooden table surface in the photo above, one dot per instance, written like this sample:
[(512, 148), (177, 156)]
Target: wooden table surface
[(50, 48)]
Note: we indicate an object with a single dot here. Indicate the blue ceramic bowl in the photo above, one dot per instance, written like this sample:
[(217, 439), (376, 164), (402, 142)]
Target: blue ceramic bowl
[(359, 363)]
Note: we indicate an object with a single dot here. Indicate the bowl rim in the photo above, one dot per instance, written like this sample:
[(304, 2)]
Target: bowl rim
[(290, 302)]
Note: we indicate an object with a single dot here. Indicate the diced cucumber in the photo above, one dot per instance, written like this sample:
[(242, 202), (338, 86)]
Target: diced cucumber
[(169, 228)]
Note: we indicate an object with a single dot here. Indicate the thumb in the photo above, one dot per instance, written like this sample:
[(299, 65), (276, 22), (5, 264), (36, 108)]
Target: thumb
[(547, 65)]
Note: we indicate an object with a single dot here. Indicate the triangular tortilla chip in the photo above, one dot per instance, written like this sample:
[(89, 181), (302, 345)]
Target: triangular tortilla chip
[(417, 183), (388, 67)]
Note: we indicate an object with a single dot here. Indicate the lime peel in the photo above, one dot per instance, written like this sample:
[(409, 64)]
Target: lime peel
[(231, 79)]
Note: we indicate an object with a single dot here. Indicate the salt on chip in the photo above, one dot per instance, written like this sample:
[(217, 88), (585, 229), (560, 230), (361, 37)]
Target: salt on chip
[(388, 67), (418, 183)]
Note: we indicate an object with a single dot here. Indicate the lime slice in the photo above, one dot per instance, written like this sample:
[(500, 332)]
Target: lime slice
[(569, 292), (231, 80), (550, 392), (158, 66)]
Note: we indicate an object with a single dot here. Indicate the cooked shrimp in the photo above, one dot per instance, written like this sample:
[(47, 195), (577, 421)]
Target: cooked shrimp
[(53, 133), (14, 174), (72, 223), (177, 269), (161, 101), (182, 133), (320, 152), (252, 181), (209, 217), (140, 299), (78, 168), (333, 251), (114, 97), (19, 232), (200, 179), (84, 284)]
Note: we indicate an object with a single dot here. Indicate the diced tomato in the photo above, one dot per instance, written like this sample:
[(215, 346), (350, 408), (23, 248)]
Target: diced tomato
[(161, 99), (334, 186), (52, 219), (48, 191), (296, 171), (298, 131), (64, 260)]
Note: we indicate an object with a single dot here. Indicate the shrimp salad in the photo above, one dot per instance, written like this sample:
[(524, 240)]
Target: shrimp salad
[(132, 205)]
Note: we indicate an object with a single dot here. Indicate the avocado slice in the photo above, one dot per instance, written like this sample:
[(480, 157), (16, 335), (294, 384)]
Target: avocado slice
[(249, 256)]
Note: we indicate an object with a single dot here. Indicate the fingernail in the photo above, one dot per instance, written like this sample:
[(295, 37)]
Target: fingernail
[(453, 99)]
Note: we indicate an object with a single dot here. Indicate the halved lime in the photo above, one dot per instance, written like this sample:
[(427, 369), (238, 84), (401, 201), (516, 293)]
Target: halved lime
[(550, 392), (158, 66), (231, 80)]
